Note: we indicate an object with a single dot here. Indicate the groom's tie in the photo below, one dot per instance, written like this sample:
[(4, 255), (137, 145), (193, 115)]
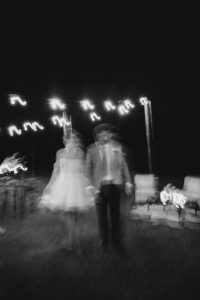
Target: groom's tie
[(107, 161)]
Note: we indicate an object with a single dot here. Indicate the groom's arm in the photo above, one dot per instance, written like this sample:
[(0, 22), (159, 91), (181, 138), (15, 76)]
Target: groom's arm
[(127, 177)]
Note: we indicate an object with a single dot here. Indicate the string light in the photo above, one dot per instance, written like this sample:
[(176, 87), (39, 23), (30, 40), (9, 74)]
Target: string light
[(172, 195), (56, 104), (109, 105), (128, 104), (94, 116), (86, 105), (179, 199), (60, 121), (165, 197), (122, 109), (12, 164), (144, 100), (33, 125), (13, 129), (15, 98)]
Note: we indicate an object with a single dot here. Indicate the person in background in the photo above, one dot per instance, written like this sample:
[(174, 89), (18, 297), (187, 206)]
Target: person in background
[(107, 172)]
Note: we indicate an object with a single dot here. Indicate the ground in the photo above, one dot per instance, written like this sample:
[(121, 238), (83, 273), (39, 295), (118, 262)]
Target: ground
[(160, 261)]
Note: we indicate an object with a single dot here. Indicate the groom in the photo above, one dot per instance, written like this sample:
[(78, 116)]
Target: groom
[(107, 172)]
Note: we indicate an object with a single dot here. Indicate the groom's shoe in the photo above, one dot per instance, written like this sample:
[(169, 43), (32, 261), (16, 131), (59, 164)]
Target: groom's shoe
[(66, 246), (119, 248), (2, 230), (103, 246)]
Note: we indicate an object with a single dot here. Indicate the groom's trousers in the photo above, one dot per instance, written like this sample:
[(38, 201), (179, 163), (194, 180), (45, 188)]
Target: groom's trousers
[(109, 200)]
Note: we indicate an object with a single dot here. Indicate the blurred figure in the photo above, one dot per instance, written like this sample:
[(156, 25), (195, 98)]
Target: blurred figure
[(107, 172), (66, 192)]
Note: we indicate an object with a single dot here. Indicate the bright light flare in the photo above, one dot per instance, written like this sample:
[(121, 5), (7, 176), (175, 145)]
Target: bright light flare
[(13, 129), (12, 164), (109, 105), (33, 126), (60, 121), (144, 100), (86, 105), (165, 197), (122, 110), (179, 199), (57, 104), (128, 104), (94, 117), (15, 98), (172, 195)]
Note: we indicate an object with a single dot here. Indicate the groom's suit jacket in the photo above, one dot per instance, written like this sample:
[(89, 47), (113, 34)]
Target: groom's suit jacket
[(96, 166)]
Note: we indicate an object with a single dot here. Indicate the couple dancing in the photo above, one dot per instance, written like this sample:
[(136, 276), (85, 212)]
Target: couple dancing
[(77, 184)]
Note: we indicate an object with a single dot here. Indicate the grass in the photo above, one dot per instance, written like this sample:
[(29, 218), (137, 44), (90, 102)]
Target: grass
[(160, 262)]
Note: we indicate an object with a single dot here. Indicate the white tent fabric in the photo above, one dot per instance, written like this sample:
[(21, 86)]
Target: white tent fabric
[(146, 187)]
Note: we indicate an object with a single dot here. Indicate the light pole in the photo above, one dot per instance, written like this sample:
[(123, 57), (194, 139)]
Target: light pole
[(65, 133), (149, 128), (57, 104)]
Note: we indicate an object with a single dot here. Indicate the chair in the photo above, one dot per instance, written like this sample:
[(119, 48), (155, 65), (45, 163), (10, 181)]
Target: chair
[(191, 189), (146, 189), (19, 198)]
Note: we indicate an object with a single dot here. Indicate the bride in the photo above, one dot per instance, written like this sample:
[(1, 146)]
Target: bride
[(66, 190)]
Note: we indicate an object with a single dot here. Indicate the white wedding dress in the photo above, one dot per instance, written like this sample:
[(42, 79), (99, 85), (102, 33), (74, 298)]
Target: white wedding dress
[(66, 188)]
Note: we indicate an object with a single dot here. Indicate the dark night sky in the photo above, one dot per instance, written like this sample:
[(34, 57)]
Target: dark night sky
[(169, 78)]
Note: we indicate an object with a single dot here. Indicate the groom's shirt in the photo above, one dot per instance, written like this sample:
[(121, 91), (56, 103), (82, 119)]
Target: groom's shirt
[(111, 156)]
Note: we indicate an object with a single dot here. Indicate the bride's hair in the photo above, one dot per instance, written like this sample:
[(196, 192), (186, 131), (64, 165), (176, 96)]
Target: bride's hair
[(72, 134)]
